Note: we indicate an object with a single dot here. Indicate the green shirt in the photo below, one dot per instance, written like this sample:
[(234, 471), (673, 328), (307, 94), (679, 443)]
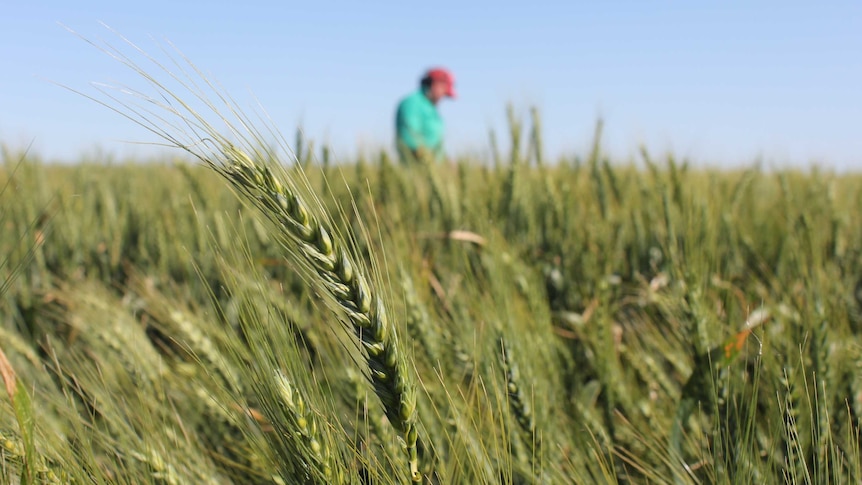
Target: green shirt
[(418, 125)]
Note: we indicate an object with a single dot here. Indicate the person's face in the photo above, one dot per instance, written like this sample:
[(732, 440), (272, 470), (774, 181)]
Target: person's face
[(438, 91)]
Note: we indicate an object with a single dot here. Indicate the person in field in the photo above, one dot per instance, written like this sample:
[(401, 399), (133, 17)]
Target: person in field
[(418, 125)]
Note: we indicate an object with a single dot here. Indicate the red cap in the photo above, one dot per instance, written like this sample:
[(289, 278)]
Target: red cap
[(440, 74)]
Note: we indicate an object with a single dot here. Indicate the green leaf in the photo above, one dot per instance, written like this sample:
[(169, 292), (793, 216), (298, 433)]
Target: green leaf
[(23, 407), (24, 413)]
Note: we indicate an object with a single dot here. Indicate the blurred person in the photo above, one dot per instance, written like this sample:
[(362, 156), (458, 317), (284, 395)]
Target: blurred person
[(418, 125)]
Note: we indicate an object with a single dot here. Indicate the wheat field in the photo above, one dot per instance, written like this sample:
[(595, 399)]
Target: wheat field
[(246, 314)]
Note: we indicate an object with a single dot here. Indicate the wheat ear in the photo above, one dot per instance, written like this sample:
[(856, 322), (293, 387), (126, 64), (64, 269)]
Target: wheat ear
[(342, 280), (303, 425), (519, 400)]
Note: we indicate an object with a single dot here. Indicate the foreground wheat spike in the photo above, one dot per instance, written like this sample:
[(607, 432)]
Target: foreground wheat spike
[(519, 401), (304, 424), (12, 453), (341, 278)]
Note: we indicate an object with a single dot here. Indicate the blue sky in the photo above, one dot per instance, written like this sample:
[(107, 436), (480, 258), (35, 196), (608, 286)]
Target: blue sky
[(718, 82)]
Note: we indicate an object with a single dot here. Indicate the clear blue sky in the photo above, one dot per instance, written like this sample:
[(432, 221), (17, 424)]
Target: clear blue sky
[(718, 82)]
